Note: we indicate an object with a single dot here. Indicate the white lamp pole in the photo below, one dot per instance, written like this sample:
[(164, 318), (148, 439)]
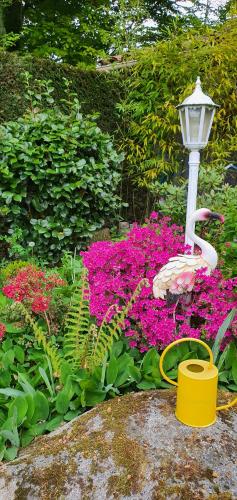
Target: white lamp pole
[(196, 116)]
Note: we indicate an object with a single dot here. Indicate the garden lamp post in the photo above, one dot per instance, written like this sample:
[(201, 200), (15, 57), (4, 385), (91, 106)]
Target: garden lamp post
[(196, 116)]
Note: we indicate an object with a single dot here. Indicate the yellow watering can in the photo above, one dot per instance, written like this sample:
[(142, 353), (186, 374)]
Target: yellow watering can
[(197, 388)]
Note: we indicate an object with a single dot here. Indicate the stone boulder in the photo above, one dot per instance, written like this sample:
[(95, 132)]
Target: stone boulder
[(128, 448)]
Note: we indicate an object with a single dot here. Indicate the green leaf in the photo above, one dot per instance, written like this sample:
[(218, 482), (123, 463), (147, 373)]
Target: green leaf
[(51, 425), (234, 371), (171, 360), (62, 402), (26, 386), (112, 371), (11, 436), (41, 407), (11, 453), (46, 380), (37, 429), (232, 387), (66, 371), (145, 385), (8, 358), (117, 348), (95, 397), (11, 392), (231, 356), (135, 373), (122, 377), (5, 378), (222, 358), (31, 407), (19, 354), (26, 438), (70, 415), (150, 359), (2, 450), (221, 333), (12, 328), (21, 405), (223, 376), (6, 345)]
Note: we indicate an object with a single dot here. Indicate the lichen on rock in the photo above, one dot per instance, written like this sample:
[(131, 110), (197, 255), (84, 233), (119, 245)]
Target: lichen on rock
[(128, 447)]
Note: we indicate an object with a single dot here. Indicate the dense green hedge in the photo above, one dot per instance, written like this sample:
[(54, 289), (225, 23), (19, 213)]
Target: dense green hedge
[(97, 92)]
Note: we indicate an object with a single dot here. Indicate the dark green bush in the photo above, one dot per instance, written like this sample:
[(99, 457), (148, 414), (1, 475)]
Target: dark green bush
[(97, 92), (59, 174)]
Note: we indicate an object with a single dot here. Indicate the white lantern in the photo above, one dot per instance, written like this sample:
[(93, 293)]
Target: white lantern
[(196, 116)]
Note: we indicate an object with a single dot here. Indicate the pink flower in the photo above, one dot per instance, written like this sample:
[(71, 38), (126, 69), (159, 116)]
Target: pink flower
[(2, 330), (115, 269), (133, 343), (154, 215)]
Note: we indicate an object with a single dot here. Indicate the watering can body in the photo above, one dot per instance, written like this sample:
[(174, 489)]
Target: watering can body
[(196, 388), (197, 393)]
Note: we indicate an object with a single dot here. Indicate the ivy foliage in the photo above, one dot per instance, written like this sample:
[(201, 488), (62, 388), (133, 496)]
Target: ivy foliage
[(162, 78), (59, 174)]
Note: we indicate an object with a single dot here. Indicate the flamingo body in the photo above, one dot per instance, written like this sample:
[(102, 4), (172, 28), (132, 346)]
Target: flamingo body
[(178, 275)]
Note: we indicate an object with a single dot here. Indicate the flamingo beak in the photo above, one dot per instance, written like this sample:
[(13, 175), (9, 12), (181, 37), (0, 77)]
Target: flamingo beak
[(216, 216)]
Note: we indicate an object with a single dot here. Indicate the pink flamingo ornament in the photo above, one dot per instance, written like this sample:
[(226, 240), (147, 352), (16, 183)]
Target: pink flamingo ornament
[(178, 275)]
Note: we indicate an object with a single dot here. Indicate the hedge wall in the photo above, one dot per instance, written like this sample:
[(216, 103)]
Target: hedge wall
[(98, 92)]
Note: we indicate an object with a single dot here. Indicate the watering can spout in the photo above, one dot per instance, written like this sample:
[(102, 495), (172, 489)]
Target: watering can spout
[(196, 388)]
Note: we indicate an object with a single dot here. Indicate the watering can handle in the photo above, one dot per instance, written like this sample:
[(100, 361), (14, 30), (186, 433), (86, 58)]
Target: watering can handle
[(180, 341)]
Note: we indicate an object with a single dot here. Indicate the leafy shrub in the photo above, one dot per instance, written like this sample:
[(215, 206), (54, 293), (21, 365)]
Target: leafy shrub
[(116, 268), (59, 174)]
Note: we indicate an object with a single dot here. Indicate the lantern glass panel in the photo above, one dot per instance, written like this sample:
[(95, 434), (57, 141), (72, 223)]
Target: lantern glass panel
[(183, 124), (194, 123), (209, 113)]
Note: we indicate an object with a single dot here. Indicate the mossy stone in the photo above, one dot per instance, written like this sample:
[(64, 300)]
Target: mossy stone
[(128, 448)]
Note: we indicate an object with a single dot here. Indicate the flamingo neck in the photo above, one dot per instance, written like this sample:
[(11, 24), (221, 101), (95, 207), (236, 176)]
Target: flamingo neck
[(208, 251)]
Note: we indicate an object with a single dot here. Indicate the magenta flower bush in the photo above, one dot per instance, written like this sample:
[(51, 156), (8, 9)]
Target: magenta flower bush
[(115, 269)]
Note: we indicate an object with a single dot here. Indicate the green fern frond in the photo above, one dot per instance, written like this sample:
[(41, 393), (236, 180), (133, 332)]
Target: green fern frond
[(78, 324), (39, 334), (109, 332)]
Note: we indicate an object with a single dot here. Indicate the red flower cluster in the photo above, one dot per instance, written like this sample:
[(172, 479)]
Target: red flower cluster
[(33, 286), (2, 330)]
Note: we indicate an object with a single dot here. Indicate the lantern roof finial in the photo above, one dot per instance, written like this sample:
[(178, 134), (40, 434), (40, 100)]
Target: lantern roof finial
[(198, 83), (198, 97)]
